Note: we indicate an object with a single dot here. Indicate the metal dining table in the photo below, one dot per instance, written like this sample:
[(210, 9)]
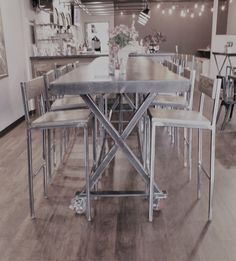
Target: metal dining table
[(143, 76)]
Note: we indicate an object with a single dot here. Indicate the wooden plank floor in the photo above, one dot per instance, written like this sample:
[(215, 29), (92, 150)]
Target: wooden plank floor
[(120, 230)]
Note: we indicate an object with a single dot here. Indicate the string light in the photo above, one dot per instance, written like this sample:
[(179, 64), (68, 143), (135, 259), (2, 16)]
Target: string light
[(191, 11), (222, 7), (182, 13), (170, 11)]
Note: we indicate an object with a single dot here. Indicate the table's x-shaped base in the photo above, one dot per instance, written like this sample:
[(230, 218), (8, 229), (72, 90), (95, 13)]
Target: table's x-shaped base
[(120, 141)]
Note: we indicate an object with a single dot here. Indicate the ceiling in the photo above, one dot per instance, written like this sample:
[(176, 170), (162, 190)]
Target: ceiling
[(106, 7)]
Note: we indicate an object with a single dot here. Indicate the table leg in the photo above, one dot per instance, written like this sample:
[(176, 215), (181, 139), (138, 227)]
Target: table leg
[(120, 139)]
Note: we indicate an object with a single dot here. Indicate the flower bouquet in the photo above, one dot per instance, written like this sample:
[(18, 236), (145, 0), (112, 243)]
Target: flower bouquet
[(120, 45), (153, 40)]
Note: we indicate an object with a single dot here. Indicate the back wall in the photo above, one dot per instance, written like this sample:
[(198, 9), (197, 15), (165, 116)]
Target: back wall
[(188, 33)]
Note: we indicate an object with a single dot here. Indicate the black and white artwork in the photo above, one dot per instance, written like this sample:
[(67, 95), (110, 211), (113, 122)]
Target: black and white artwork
[(3, 58)]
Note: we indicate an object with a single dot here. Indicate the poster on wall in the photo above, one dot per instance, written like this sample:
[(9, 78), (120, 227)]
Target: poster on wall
[(3, 57)]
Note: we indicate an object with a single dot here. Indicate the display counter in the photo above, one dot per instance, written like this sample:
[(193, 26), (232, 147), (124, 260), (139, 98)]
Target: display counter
[(42, 64)]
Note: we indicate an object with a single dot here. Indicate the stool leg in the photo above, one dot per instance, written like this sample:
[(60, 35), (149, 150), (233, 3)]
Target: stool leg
[(45, 163), (212, 175), (190, 153), (227, 107), (65, 142), (49, 156), (153, 134), (120, 113), (219, 111), (148, 146), (61, 146), (94, 143), (87, 176), (231, 112), (185, 147), (144, 140), (54, 148), (94, 133), (30, 174), (199, 163)]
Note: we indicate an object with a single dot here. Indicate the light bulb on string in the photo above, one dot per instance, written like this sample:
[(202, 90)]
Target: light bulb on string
[(170, 11)]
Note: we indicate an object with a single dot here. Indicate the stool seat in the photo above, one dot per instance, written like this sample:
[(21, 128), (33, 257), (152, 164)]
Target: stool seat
[(171, 100), (68, 103), (179, 118), (55, 119)]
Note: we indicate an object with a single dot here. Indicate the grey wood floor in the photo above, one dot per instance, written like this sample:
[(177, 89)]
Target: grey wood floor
[(120, 229)]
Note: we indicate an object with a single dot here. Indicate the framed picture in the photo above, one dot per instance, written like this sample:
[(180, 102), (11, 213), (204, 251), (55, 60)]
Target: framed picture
[(3, 57)]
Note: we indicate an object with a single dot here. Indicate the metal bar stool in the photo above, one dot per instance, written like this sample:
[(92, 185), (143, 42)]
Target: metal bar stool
[(192, 120), (35, 90), (228, 99)]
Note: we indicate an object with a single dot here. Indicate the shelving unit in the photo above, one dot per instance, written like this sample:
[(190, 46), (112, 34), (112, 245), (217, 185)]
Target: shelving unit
[(58, 36)]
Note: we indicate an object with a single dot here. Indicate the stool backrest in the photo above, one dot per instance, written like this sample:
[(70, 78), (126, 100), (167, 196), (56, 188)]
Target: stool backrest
[(207, 86), (185, 60), (165, 63), (61, 71), (191, 75), (49, 77), (33, 90), (76, 64), (169, 65), (176, 68), (211, 88), (70, 67)]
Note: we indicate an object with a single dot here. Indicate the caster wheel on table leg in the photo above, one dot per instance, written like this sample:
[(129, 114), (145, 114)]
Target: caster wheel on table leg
[(79, 204)]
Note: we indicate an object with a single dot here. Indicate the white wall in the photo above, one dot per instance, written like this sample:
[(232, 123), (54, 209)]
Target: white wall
[(16, 18), (218, 43), (10, 94), (231, 24)]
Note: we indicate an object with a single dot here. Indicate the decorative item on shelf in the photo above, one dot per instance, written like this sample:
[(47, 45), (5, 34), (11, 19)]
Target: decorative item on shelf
[(228, 47), (121, 43), (153, 40)]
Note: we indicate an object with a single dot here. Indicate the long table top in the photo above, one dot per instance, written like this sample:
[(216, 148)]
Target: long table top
[(143, 76)]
